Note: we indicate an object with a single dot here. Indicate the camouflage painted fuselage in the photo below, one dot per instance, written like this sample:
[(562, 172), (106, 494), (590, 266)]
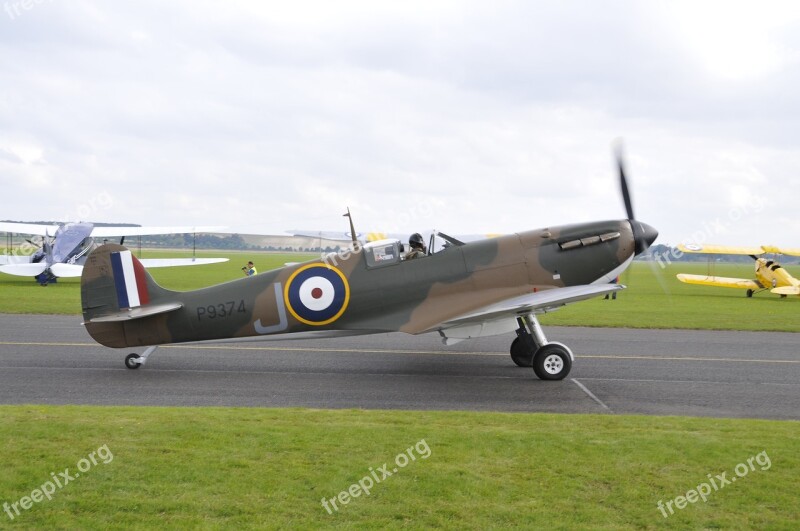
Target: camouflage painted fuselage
[(346, 294)]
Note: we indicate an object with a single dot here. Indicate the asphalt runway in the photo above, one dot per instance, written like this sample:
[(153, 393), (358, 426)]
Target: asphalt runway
[(52, 360)]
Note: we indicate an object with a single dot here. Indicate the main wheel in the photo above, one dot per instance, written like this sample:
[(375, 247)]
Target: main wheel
[(552, 362), (522, 349), (749, 293), (132, 361)]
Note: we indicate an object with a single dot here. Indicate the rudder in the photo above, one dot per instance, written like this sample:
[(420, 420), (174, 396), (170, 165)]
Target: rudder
[(115, 288)]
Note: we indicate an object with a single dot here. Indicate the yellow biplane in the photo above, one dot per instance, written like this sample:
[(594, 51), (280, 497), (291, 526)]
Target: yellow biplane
[(770, 275)]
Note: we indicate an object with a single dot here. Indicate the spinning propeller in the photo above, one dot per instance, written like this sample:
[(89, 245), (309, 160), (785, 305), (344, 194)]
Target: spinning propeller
[(643, 234)]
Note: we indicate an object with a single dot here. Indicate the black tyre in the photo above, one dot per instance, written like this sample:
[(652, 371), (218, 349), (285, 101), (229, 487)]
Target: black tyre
[(552, 362), (132, 361), (749, 293), (522, 349)]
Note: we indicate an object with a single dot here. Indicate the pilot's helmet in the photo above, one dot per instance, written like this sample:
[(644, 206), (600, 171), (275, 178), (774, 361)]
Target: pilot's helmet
[(416, 240)]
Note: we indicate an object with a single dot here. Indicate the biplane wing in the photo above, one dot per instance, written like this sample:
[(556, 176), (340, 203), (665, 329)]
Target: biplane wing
[(38, 229), (781, 250), (720, 249), (43, 229), (723, 282), (734, 249)]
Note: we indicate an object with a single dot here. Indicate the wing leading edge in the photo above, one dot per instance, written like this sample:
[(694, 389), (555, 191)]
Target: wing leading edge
[(723, 282), (732, 249), (500, 317)]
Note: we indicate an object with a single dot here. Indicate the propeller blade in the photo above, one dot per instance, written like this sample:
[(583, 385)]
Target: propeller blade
[(643, 234), (623, 182)]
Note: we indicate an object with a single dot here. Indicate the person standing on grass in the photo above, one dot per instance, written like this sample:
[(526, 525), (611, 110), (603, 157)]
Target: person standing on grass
[(614, 293), (249, 269)]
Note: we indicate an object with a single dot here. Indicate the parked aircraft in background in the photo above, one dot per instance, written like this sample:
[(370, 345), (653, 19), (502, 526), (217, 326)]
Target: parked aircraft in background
[(64, 248), (465, 290), (770, 275)]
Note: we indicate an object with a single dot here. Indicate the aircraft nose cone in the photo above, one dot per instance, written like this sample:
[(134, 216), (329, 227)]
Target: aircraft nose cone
[(644, 235)]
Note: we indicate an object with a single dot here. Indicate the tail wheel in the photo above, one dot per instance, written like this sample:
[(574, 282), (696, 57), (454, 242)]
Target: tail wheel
[(552, 362), (132, 361)]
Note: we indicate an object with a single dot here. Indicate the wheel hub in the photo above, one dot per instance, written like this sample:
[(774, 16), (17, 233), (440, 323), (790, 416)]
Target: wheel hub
[(553, 364)]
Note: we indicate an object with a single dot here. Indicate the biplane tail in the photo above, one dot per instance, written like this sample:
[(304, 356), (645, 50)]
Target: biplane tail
[(786, 290)]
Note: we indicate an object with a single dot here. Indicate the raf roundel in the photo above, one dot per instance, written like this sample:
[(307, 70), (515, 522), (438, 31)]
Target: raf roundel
[(317, 294)]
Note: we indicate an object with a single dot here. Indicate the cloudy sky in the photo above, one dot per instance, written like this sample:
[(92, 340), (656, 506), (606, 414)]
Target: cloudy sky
[(462, 116)]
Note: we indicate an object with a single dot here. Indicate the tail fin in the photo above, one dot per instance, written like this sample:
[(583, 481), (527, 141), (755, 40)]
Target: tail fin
[(116, 288)]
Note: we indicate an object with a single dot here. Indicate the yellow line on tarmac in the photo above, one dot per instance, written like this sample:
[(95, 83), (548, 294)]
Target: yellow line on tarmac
[(348, 350), (48, 344), (397, 351), (684, 358)]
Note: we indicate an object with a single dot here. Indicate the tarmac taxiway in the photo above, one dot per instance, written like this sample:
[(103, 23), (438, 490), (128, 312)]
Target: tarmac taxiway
[(46, 359)]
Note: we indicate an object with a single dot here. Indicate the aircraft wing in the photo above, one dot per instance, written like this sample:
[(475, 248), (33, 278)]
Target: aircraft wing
[(500, 317), (328, 235), (720, 249), (62, 270), (722, 282), (112, 232), (781, 250), (28, 228), (151, 263), (103, 232), (74, 270), (23, 270)]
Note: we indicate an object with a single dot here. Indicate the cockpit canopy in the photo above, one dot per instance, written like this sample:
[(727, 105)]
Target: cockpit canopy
[(391, 251)]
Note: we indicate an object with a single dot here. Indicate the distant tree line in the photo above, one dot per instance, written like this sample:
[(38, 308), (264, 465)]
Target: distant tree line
[(211, 241), (201, 241)]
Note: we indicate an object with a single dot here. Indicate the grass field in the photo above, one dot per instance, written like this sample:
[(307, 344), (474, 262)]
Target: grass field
[(650, 301), (244, 467)]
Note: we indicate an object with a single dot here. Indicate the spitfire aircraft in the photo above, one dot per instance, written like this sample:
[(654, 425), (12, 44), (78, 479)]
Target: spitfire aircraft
[(64, 253), (465, 290), (770, 275)]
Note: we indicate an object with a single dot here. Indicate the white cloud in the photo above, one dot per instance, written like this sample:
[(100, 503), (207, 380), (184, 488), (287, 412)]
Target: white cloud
[(269, 116)]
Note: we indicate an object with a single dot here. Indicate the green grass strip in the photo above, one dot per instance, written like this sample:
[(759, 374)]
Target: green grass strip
[(220, 468)]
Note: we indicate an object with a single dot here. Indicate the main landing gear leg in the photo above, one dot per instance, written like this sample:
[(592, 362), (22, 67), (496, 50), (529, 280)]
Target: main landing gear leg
[(134, 361), (550, 360)]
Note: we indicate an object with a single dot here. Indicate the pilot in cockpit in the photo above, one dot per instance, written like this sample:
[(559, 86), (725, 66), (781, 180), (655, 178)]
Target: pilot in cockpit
[(417, 245)]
